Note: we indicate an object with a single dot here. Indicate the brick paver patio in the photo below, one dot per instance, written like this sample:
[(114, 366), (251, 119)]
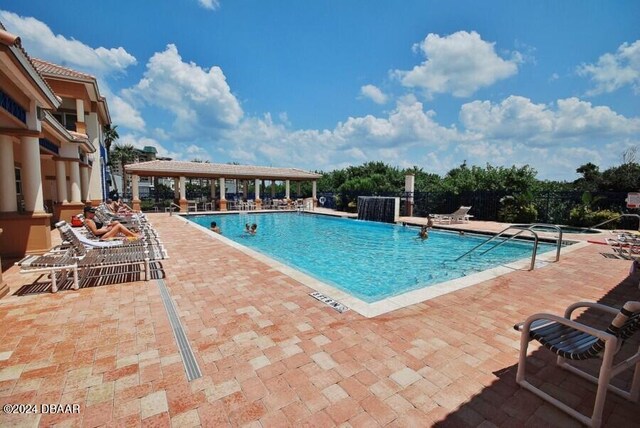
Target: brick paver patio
[(272, 356)]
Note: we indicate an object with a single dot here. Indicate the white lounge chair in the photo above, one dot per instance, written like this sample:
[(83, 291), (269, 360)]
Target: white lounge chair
[(461, 215)]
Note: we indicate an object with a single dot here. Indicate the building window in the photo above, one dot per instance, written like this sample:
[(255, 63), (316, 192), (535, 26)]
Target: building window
[(18, 181), (68, 120)]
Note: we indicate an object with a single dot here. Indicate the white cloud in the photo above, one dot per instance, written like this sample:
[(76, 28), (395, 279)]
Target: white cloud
[(41, 42), (519, 119), (358, 139), (460, 64), (200, 99), (196, 152), (124, 114), (373, 93), (209, 4), (615, 70)]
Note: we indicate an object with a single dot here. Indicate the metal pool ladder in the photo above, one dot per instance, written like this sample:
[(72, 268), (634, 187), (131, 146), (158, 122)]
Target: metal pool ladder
[(521, 229)]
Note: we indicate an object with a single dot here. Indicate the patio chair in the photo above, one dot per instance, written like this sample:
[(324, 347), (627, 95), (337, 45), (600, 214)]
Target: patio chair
[(570, 340), (57, 264), (626, 246), (461, 215)]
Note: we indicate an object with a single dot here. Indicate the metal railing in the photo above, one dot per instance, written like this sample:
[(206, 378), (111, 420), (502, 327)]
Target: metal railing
[(504, 241), (551, 226), (172, 206), (617, 218)]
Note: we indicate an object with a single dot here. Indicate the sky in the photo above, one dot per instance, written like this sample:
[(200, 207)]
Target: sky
[(321, 85)]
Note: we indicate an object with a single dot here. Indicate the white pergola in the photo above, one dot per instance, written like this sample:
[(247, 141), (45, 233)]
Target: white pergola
[(217, 173)]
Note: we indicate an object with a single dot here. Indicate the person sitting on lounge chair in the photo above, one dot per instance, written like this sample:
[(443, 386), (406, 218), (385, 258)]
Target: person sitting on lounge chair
[(120, 207), (105, 231)]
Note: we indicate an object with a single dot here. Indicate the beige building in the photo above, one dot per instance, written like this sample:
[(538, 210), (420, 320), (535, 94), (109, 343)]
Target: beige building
[(51, 122)]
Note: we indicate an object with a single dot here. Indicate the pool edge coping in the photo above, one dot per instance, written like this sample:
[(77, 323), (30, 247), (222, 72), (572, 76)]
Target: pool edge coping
[(389, 304)]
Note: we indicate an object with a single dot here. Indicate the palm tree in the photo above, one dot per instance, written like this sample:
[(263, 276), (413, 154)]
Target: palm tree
[(110, 135), (123, 154)]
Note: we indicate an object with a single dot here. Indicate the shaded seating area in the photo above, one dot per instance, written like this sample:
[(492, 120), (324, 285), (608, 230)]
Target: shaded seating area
[(574, 341)]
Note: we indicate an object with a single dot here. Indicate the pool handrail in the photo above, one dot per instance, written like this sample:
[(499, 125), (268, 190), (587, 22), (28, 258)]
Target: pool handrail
[(617, 218), (558, 242), (520, 230)]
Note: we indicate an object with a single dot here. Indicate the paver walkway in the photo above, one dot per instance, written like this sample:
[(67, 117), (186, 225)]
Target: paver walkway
[(272, 356)]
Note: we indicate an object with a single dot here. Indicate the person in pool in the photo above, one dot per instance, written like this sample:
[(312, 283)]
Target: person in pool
[(423, 234), (247, 228), (254, 229), (214, 227)]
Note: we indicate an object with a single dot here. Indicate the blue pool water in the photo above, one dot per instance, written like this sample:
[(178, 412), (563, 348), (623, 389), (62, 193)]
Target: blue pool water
[(369, 260)]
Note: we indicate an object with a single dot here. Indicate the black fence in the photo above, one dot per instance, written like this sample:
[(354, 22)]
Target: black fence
[(551, 207)]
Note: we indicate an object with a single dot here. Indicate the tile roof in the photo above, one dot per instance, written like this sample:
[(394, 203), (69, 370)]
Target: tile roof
[(10, 39), (50, 69), (172, 168)]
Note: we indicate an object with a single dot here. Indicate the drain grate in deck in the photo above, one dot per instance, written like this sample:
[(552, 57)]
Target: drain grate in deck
[(188, 359), (329, 301)]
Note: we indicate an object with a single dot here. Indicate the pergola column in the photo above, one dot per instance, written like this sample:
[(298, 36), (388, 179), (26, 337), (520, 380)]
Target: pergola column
[(176, 189), (287, 190), (135, 184), (257, 194), (8, 197), (223, 198), (314, 185), (273, 189), (32, 175), (61, 181), (84, 183), (183, 194), (245, 189), (298, 189)]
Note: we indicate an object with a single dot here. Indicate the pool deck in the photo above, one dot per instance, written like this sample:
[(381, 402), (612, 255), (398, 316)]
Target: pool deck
[(273, 356)]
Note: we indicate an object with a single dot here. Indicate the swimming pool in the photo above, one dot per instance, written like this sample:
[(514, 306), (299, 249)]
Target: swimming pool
[(371, 261)]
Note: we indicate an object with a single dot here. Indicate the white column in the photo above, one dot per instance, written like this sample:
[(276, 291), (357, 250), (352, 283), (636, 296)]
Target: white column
[(75, 181), (314, 186), (31, 175), (80, 110), (61, 181), (222, 190), (135, 181), (8, 201), (213, 188), (84, 183), (409, 188), (183, 188), (257, 186), (287, 193)]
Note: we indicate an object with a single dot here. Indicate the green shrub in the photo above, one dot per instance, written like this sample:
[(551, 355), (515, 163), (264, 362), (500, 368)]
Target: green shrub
[(517, 210), (147, 205), (584, 217)]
